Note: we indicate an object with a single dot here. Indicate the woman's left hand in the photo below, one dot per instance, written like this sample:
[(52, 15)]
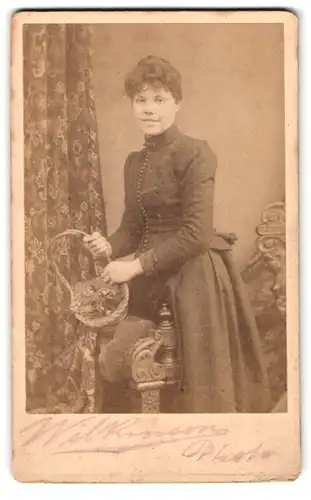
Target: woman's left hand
[(122, 272)]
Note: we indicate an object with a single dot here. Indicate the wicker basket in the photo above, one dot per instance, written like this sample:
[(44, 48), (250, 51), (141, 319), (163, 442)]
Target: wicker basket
[(95, 303)]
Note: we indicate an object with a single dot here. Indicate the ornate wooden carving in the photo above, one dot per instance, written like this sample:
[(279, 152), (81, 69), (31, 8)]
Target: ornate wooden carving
[(265, 276), (271, 244), (150, 401), (154, 362), (144, 367)]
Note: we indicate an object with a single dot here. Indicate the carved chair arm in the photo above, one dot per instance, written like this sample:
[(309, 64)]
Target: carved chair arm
[(153, 362), (154, 358)]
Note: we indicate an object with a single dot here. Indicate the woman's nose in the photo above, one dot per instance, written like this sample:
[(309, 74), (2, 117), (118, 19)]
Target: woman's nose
[(149, 108), (148, 111)]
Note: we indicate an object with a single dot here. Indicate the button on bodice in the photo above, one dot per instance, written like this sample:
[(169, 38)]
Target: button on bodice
[(144, 166)]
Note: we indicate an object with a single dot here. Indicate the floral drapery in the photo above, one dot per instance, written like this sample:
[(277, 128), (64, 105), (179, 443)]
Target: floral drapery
[(62, 190)]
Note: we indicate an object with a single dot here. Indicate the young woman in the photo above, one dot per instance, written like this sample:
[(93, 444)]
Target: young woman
[(168, 225)]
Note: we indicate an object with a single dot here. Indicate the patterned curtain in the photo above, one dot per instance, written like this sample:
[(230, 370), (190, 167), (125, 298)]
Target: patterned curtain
[(62, 190)]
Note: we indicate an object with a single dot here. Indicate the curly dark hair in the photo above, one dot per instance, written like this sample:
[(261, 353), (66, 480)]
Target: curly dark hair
[(154, 71)]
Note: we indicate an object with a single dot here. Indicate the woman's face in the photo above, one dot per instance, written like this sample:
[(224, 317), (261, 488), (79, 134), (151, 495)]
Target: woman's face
[(154, 109)]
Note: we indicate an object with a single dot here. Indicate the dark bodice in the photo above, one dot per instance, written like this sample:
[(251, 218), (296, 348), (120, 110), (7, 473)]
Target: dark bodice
[(168, 215), (158, 197)]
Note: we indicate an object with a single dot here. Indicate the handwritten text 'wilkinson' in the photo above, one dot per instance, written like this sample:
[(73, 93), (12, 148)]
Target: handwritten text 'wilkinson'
[(107, 435)]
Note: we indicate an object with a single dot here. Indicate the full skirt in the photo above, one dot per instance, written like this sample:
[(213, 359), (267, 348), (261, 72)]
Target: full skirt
[(219, 348)]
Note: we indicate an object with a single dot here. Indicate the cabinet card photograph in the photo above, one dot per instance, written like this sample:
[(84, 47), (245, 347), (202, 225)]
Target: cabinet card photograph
[(155, 246)]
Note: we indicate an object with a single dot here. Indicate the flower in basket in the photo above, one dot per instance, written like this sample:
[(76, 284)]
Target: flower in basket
[(95, 300)]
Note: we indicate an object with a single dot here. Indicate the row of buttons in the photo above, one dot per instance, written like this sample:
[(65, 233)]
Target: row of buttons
[(139, 201)]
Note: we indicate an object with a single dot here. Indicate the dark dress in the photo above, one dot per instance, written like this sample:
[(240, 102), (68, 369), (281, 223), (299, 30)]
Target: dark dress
[(168, 224)]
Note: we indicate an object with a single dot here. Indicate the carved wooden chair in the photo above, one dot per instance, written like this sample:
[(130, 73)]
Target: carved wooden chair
[(149, 364), (265, 276)]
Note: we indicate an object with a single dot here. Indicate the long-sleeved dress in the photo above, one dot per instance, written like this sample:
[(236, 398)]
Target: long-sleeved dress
[(168, 224)]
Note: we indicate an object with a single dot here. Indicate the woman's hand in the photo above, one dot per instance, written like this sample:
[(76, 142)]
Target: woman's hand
[(98, 244), (122, 272)]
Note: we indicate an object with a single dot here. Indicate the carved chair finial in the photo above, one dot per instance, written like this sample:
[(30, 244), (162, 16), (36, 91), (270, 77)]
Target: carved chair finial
[(168, 332), (165, 313)]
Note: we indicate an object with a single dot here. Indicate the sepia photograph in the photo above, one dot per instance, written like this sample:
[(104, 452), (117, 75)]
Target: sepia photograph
[(153, 238)]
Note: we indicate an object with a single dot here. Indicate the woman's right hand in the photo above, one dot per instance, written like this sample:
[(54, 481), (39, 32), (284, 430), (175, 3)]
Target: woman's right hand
[(98, 245)]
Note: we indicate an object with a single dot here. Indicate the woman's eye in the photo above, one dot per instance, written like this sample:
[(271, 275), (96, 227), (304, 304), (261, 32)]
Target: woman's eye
[(159, 100)]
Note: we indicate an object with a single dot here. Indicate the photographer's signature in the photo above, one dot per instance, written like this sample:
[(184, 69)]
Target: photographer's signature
[(108, 435)]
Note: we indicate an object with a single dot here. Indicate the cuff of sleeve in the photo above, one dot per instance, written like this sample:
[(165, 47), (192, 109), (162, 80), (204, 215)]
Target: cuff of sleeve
[(109, 250), (113, 254), (148, 262)]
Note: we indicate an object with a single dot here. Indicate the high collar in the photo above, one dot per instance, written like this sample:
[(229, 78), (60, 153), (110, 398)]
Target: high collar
[(155, 142)]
